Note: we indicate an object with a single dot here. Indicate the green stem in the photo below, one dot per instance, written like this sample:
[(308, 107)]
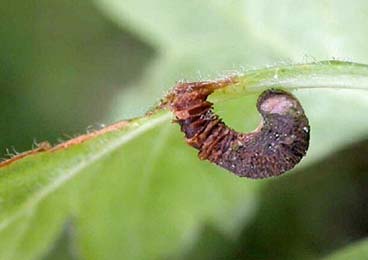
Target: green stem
[(324, 74)]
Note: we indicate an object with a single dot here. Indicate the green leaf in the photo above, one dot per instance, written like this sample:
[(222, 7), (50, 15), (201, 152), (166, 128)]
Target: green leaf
[(140, 192), (358, 250), (129, 194), (195, 39)]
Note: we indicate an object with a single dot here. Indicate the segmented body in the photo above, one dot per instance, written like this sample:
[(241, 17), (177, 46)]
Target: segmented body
[(277, 145)]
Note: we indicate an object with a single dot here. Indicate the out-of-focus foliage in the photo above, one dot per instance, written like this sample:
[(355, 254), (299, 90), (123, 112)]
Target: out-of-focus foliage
[(357, 251), (61, 62), (141, 193)]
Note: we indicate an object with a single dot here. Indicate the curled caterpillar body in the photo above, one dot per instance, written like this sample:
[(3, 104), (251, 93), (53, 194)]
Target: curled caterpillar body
[(276, 146)]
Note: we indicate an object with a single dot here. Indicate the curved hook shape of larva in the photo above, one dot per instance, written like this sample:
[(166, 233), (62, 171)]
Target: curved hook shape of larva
[(276, 146)]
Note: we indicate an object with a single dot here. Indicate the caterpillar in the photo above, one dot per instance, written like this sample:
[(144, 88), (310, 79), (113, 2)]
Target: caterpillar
[(276, 146)]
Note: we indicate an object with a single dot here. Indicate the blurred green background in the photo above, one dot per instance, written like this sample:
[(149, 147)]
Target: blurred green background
[(66, 67)]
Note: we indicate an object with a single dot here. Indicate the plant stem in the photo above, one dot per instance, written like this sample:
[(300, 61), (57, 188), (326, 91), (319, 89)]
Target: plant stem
[(325, 74)]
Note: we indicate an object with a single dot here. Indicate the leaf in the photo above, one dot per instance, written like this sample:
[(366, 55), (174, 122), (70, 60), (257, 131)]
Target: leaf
[(245, 24), (358, 250), (222, 36), (138, 192), (140, 195)]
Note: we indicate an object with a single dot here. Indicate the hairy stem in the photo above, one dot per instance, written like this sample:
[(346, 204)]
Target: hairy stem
[(325, 74)]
